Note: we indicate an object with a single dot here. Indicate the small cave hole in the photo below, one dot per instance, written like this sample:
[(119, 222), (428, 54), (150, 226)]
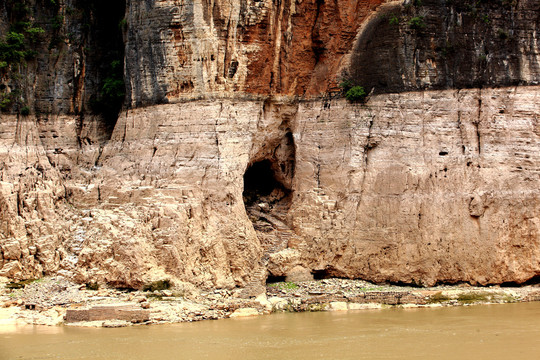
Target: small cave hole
[(233, 68), (266, 199), (443, 153), (321, 274), (274, 279), (260, 184)]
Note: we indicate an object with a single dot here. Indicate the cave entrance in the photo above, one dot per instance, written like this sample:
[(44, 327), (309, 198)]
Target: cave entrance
[(267, 195), (261, 185), (268, 182)]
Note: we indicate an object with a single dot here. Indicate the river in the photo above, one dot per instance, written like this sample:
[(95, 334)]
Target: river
[(510, 331)]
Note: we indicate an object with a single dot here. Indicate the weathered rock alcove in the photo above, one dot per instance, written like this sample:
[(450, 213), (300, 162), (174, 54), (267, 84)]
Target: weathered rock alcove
[(261, 185), (268, 189), (268, 184)]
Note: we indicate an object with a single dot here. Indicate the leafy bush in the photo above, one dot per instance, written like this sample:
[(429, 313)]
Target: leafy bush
[(34, 32), (345, 85), (356, 94), (5, 101), (288, 285), (19, 284), (113, 89), (25, 111), (12, 48), (417, 23)]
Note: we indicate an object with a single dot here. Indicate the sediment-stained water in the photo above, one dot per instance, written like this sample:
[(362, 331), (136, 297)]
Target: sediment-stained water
[(510, 331)]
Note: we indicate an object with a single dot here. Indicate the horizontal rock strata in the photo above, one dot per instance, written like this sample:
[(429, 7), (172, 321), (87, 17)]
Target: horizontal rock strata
[(425, 187)]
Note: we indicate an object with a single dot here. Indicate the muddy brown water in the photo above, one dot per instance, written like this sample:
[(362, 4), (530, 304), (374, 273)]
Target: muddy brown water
[(510, 331)]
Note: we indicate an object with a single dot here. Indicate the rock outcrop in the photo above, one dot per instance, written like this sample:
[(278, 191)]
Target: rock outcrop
[(224, 167)]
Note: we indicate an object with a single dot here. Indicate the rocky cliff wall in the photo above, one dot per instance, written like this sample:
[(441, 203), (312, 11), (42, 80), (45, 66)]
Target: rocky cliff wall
[(188, 49), (426, 187), (210, 176), (438, 44)]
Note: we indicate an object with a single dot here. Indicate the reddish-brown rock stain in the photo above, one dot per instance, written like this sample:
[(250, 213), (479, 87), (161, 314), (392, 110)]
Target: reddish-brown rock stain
[(310, 54)]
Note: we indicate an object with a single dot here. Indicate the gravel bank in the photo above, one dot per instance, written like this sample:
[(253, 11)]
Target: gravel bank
[(45, 301)]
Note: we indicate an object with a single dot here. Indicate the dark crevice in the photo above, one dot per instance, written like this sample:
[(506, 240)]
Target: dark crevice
[(535, 280), (260, 184), (105, 59), (317, 44), (274, 279), (477, 126), (412, 283), (329, 272), (321, 274), (266, 199), (268, 194)]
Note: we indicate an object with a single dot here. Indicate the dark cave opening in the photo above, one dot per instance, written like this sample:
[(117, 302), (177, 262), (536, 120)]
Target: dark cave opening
[(267, 196), (274, 279), (268, 182), (260, 184), (535, 280), (321, 274)]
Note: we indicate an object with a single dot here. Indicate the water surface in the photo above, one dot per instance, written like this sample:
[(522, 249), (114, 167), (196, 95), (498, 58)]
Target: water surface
[(510, 331)]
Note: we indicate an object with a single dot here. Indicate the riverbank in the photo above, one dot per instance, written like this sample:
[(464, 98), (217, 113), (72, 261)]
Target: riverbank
[(56, 301)]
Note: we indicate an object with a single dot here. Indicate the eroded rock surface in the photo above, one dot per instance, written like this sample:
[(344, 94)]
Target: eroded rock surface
[(210, 175), (418, 188)]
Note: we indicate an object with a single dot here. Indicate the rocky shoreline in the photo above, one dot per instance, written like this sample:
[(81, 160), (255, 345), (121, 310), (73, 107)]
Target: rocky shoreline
[(56, 301)]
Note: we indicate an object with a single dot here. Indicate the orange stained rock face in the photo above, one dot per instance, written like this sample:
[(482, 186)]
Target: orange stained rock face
[(302, 45)]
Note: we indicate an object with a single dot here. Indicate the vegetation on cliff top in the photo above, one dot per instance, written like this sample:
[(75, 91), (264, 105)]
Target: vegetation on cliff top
[(353, 93)]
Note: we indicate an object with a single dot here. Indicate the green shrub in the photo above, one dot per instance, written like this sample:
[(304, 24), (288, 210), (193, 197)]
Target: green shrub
[(12, 48), (288, 285), (417, 23), (113, 90), (5, 102), (345, 85), (57, 22), (14, 285), (394, 20), (356, 94), (34, 32), (25, 111)]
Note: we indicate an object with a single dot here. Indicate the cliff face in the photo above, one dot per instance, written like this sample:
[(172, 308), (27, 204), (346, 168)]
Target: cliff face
[(205, 178), (449, 44), (178, 49)]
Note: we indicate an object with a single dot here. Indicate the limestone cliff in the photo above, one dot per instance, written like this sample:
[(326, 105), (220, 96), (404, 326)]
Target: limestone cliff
[(234, 158)]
